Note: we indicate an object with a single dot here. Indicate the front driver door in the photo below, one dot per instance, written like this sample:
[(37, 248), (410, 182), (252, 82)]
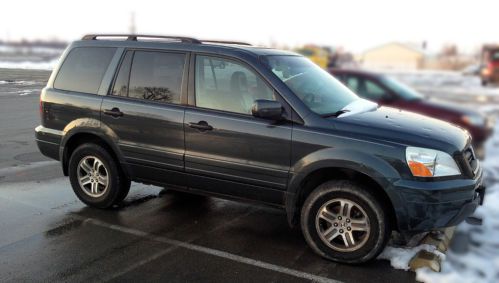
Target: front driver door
[(237, 153)]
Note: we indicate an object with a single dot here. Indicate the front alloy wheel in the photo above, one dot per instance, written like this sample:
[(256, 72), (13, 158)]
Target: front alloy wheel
[(345, 222), (342, 225)]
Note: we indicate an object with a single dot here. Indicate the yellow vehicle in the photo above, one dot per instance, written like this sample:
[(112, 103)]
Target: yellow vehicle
[(317, 54)]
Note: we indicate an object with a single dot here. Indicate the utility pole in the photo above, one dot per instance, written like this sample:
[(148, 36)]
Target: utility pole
[(132, 28)]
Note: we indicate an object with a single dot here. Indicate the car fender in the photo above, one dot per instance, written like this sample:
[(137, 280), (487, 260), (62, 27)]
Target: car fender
[(93, 127), (375, 167)]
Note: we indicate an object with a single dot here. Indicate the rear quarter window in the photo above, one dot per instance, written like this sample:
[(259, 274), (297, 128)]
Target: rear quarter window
[(83, 69)]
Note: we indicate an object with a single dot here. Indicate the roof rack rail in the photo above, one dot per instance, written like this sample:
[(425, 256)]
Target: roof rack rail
[(134, 37), (226, 42)]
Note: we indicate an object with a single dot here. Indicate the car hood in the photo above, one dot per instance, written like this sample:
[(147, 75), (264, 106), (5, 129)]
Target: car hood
[(394, 125)]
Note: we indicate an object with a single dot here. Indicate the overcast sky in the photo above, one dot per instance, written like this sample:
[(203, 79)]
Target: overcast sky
[(356, 25)]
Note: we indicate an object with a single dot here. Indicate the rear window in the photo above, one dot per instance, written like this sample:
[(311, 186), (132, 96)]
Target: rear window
[(83, 69)]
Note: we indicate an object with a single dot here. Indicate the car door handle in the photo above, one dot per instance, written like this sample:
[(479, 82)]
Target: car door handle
[(115, 112), (201, 125)]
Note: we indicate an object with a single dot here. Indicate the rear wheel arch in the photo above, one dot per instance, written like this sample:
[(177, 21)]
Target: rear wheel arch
[(319, 176), (77, 139)]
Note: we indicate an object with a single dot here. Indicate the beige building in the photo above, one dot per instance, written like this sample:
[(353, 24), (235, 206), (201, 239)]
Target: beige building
[(394, 55)]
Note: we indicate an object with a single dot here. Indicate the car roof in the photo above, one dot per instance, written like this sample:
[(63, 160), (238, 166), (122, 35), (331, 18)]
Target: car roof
[(182, 44), (360, 72)]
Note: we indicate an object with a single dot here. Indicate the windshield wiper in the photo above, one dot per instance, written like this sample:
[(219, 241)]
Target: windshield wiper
[(335, 114)]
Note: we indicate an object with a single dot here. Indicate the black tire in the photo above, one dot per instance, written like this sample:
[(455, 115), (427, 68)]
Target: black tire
[(118, 185), (371, 244), (125, 188)]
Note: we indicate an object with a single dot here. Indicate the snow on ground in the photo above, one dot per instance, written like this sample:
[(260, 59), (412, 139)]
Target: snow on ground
[(17, 82), (43, 65), (400, 257), (33, 57), (9, 49)]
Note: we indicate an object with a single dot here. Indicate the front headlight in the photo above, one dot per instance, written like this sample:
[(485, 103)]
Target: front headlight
[(475, 120), (425, 162)]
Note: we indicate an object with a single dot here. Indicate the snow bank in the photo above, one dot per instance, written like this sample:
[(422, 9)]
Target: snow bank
[(400, 257), (22, 83), (29, 65), (8, 49)]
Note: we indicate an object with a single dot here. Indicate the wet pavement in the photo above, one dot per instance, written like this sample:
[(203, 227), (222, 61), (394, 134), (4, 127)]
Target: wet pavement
[(157, 234)]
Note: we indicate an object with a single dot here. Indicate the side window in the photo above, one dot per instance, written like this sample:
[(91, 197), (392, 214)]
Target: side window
[(84, 68), (121, 83), (352, 83), (156, 76), (223, 84), (373, 91)]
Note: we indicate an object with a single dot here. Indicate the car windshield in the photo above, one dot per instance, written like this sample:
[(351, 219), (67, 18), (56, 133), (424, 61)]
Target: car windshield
[(320, 91), (401, 89)]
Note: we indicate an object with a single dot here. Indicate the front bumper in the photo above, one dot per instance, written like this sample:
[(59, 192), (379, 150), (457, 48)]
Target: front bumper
[(424, 206)]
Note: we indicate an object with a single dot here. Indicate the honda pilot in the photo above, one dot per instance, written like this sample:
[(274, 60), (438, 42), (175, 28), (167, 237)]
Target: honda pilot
[(250, 123)]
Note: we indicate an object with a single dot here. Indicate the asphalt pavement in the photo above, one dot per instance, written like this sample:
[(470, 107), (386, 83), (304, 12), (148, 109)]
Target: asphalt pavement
[(156, 234)]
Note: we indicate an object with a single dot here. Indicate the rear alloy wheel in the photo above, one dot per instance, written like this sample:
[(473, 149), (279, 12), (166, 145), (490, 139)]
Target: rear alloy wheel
[(342, 221), (93, 176), (96, 177)]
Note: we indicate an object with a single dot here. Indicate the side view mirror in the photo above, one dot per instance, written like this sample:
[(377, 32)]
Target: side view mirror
[(267, 109)]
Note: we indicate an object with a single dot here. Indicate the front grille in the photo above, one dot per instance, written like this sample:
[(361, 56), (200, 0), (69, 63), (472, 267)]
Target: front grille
[(470, 159)]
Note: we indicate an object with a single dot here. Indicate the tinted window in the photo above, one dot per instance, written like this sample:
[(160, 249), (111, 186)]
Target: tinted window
[(83, 69), (353, 84), (156, 76), (366, 88), (227, 85), (373, 91), (401, 89), (121, 84)]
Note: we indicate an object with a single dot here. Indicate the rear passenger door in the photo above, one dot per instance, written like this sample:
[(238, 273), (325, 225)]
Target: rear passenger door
[(144, 113), (240, 155)]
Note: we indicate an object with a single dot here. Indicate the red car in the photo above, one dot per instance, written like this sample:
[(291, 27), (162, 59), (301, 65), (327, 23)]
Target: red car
[(490, 64), (390, 92)]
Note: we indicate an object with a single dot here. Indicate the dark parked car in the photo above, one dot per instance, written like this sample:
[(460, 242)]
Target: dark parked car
[(250, 123), (390, 92)]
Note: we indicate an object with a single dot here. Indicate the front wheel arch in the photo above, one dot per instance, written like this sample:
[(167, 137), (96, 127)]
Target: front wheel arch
[(314, 179)]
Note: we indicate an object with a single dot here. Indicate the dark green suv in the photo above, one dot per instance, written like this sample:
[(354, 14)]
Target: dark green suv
[(250, 123)]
